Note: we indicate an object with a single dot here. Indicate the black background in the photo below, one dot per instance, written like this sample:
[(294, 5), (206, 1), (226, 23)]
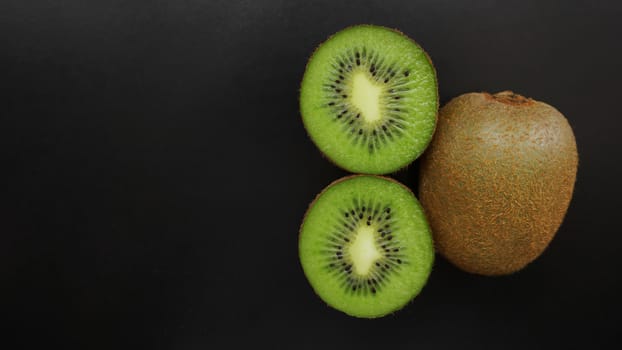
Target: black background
[(155, 172)]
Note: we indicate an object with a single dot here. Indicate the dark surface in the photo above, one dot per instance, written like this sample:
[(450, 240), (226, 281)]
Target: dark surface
[(156, 171)]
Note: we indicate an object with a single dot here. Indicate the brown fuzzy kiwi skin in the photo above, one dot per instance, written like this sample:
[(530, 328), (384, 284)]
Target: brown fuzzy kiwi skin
[(435, 84), (497, 180)]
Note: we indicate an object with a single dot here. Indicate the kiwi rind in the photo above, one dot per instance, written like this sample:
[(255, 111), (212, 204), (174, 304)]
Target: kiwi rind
[(414, 152), (497, 180), (417, 279)]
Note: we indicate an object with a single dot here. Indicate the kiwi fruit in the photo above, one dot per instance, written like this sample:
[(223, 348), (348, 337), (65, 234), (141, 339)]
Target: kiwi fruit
[(369, 99), (365, 245), (497, 180)]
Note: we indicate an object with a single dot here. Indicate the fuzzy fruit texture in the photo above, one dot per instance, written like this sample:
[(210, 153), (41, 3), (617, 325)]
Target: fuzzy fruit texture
[(497, 180)]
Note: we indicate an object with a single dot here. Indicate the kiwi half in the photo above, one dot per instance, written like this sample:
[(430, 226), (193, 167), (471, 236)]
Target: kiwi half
[(369, 99), (365, 245)]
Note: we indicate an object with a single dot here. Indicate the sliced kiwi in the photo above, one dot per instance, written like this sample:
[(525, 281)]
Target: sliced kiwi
[(365, 245), (369, 99)]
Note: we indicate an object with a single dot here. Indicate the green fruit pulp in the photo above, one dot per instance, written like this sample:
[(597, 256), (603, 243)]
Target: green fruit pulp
[(369, 99), (365, 246)]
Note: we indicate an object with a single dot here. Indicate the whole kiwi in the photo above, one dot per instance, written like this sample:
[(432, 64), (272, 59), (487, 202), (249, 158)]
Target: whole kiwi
[(497, 180)]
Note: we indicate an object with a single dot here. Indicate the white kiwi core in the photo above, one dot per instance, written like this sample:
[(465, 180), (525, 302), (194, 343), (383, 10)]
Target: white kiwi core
[(366, 96), (363, 250)]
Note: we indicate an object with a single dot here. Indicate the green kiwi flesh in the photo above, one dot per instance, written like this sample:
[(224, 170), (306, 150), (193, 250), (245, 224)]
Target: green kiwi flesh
[(365, 246), (369, 99), (497, 180)]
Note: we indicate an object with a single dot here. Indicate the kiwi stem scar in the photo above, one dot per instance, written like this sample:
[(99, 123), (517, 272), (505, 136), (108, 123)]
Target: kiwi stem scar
[(363, 250), (366, 96)]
